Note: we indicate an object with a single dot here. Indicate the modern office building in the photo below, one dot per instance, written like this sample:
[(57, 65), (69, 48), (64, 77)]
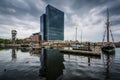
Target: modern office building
[(52, 24)]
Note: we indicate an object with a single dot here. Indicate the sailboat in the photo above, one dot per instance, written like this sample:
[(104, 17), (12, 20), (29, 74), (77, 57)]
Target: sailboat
[(108, 46)]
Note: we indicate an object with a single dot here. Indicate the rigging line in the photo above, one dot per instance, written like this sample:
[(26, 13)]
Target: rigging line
[(112, 35), (104, 36)]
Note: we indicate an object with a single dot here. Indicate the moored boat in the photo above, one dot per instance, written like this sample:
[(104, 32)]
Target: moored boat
[(109, 47)]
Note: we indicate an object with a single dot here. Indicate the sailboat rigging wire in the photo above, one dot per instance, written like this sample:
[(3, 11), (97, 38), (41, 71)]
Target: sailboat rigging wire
[(104, 36), (112, 35)]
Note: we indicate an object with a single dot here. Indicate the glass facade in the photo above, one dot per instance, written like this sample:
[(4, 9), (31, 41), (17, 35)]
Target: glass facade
[(43, 27), (53, 24)]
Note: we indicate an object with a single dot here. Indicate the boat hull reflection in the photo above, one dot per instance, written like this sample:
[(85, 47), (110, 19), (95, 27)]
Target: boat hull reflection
[(108, 49), (108, 59)]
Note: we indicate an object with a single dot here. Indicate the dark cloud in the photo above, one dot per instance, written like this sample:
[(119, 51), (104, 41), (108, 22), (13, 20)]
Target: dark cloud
[(115, 10), (20, 9), (114, 23), (87, 3)]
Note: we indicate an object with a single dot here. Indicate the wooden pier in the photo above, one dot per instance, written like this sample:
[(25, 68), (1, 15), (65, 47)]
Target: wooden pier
[(94, 52)]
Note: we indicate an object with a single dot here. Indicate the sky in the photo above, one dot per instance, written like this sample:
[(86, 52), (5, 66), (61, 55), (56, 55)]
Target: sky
[(89, 16)]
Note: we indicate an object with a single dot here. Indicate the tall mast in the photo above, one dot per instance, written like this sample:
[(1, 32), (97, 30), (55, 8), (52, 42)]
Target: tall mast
[(81, 36), (107, 25), (76, 34)]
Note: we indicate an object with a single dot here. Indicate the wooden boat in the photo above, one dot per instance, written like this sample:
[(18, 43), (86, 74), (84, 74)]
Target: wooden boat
[(109, 47)]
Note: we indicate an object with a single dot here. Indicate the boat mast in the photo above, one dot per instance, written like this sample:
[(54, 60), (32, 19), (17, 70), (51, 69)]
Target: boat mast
[(107, 25), (81, 36), (76, 34)]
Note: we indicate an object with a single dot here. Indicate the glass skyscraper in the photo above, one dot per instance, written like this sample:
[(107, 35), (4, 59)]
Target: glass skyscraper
[(43, 27), (52, 24)]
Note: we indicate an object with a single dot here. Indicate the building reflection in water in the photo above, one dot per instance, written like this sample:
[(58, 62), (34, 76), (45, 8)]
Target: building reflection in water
[(51, 64), (108, 59), (14, 56)]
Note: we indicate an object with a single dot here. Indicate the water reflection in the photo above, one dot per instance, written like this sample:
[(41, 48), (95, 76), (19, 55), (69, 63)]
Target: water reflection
[(35, 52), (51, 64), (82, 67), (108, 60), (88, 61), (86, 58), (14, 56), (25, 50)]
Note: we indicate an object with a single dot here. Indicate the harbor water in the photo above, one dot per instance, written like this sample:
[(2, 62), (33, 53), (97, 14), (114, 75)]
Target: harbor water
[(50, 64)]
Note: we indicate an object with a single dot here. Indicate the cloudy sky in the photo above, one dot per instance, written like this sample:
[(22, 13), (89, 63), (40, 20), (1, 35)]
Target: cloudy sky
[(89, 16)]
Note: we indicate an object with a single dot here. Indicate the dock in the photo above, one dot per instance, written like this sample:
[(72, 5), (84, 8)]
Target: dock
[(94, 52)]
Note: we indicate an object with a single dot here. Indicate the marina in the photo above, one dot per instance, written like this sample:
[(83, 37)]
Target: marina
[(59, 40)]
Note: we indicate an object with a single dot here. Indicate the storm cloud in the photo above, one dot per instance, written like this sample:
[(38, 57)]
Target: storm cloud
[(89, 16)]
